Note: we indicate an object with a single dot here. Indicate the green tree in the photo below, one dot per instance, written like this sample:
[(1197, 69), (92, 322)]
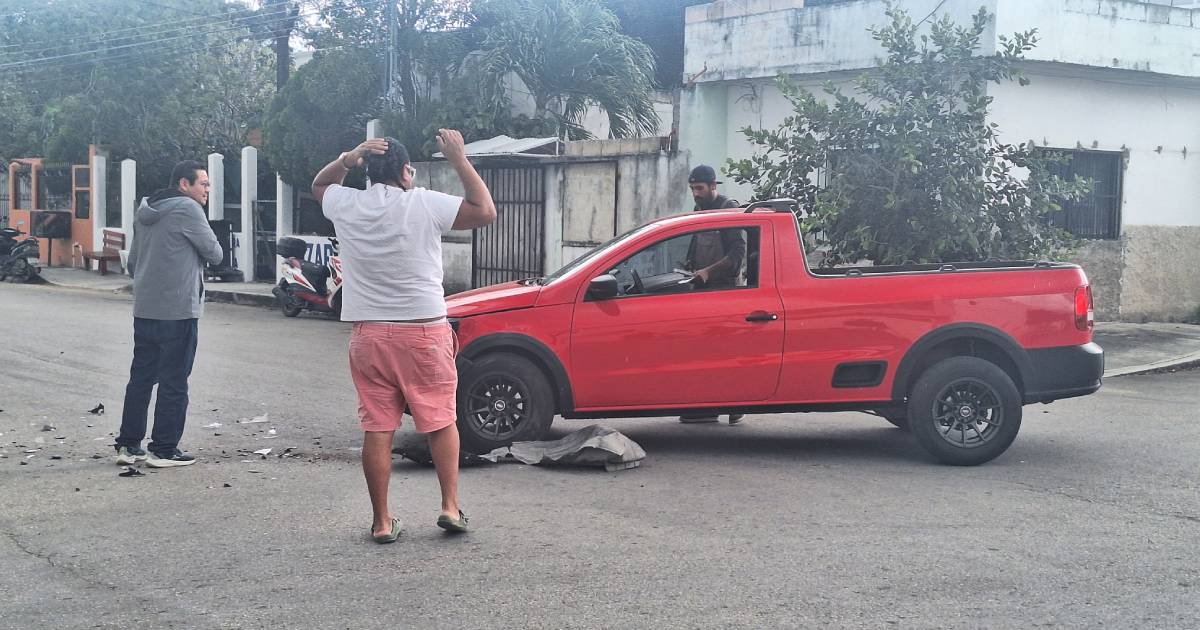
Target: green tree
[(913, 170), (166, 82), (471, 103), (321, 111), (572, 55), (432, 40), (660, 24)]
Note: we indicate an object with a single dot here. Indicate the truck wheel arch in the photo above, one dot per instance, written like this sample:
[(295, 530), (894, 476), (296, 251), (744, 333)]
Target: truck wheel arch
[(966, 339), (530, 348)]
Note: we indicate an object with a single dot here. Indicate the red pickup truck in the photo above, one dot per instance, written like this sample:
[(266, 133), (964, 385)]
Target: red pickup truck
[(949, 352)]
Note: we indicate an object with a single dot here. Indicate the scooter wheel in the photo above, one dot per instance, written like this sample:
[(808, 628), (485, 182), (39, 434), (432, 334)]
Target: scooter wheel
[(288, 305)]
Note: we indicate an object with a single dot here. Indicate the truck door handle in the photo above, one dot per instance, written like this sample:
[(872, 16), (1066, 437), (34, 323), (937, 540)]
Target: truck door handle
[(761, 316)]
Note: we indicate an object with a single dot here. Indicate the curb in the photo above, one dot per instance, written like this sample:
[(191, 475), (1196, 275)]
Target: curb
[(241, 299), (1185, 361), (210, 295)]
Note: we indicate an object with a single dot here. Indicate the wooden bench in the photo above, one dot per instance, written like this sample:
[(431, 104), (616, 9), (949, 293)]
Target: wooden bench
[(114, 242)]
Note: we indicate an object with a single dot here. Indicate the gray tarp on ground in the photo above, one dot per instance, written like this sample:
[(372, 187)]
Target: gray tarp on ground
[(593, 445)]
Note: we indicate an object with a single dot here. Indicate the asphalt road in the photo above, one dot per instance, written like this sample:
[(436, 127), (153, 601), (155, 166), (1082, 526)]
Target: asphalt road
[(1091, 519)]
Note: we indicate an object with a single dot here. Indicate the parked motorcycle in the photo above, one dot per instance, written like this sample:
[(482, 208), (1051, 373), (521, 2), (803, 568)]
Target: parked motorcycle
[(19, 260), (305, 285)]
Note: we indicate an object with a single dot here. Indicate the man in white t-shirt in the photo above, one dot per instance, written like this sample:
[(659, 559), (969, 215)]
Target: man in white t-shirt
[(402, 349)]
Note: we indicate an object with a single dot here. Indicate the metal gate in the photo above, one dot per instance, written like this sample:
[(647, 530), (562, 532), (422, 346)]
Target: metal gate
[(514, 247), (4, 201), (264, 240)]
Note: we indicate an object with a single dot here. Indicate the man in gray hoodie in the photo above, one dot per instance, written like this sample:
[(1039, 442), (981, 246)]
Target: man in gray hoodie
[(171, 242)]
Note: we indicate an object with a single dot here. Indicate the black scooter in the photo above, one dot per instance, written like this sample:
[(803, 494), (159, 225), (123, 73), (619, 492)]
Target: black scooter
[(19, 260)]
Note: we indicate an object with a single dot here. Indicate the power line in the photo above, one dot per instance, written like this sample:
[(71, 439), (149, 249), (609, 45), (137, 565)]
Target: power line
[(43, 61), (33, 80), (935, 10), (159, 24), (248, 16), (168, 47), (172, 8), (151, 31)]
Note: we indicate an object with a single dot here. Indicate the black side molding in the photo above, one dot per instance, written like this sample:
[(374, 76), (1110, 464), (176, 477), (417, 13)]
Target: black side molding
[(862, 374)]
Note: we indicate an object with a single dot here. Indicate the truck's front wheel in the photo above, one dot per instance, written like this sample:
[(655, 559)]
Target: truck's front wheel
[(965, 411), (503, 398)]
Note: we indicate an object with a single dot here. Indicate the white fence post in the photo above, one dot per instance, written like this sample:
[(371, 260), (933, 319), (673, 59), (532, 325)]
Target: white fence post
[(284, 213), (99, 200), (216, 183), (249, 196)]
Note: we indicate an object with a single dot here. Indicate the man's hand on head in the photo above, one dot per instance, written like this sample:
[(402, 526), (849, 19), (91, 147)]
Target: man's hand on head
[(356, 156)]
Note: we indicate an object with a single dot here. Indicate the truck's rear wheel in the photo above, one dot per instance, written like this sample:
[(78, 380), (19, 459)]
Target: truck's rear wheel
[(503, 398), (965, 411)]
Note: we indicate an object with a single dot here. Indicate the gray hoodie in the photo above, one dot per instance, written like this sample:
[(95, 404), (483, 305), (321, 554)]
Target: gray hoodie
[(171, 242)]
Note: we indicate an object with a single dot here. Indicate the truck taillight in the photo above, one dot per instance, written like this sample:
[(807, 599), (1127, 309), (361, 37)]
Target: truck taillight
[(1084, 317)]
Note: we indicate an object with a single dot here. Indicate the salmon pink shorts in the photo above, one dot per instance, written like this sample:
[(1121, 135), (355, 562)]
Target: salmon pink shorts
[(398, 366)]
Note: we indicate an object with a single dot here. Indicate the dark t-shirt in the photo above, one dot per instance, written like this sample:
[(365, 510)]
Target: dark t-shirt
[(716, 204), (704, 249)]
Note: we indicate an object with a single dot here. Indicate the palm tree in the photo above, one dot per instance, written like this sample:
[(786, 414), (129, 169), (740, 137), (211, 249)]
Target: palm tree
[(572, 55)]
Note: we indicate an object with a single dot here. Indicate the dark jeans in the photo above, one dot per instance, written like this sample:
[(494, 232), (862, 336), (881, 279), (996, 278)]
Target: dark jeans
[(163, 353)]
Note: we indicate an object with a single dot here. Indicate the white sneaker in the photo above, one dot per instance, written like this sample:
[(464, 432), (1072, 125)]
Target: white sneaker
[(130, 455)]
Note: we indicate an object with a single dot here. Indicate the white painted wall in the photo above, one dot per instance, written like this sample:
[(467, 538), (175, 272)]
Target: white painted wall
[(758, 104), (744, 39), (1103, 113), (1124, 34), (741, 39)]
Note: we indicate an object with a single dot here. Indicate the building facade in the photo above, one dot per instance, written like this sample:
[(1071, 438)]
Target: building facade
[(1114, 83)]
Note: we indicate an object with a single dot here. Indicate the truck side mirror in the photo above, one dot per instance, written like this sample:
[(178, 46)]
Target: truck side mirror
[(602, 287)]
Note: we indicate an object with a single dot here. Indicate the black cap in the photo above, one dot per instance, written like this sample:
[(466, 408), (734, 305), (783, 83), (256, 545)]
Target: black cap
[(703, 174)]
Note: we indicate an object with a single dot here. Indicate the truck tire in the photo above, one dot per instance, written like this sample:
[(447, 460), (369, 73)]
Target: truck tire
[(900, 420), (964, 411), (503, 398)]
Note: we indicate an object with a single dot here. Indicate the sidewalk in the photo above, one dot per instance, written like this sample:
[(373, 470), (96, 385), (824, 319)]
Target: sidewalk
[(1128, 348), (245, 293)]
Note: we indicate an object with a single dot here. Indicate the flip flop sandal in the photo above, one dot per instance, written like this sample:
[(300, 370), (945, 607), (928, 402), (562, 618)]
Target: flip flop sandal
[(453, 525), (390, 537)]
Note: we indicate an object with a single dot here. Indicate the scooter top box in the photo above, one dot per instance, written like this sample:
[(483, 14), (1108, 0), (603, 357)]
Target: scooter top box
[(290, 247)]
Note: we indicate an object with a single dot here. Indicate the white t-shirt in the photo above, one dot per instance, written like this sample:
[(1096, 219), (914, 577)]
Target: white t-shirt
[(390, 242)]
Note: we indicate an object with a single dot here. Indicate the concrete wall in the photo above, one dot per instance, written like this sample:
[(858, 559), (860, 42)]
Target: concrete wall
[(745, 39), (1158, 287), (600, 189), (1120, 34), (1133, 281), (456, 246), (733, 40)]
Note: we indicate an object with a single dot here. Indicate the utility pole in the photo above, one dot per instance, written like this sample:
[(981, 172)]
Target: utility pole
[(389, 63), (283, 34)]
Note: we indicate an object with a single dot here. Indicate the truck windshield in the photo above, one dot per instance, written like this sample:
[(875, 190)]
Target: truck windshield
[(574, 265)]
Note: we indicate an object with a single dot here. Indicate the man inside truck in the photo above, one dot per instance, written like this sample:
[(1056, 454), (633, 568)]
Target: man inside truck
[(715, 257)]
